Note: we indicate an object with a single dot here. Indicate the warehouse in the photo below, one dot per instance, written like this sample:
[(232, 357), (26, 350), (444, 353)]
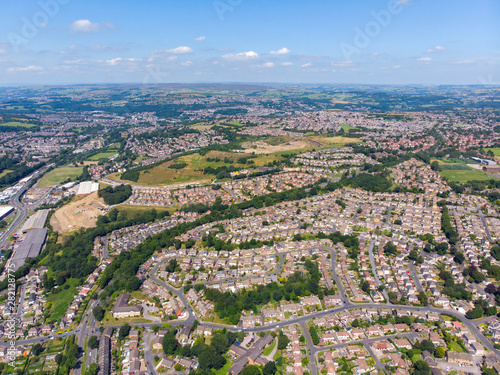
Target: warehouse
[(5, 211), (30, 247), (35, 221), (87, 187)]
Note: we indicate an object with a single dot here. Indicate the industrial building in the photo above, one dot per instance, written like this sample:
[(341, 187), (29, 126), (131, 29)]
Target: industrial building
[(87, 187), (30, 247), (5, 211), (35, 221)]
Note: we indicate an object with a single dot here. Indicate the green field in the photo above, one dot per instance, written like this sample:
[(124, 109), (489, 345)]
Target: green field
[(496, 150), (346, 128), (59, 175), (102, 155), (3, 173), (193, 172), (464, 176), (60, 301), (17, 124)]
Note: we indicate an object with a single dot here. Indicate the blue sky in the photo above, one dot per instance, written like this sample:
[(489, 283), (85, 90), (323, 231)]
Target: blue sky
[(318, 41)]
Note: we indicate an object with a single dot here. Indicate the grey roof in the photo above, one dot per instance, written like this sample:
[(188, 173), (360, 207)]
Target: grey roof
[(35, 221), (30, 247)]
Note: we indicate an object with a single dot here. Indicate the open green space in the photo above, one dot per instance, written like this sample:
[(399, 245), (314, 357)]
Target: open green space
[(464, 176), (102, 155), (60, 301), (59, 175), (4, 172), (17, 124), (496, 150), (224, 370), (195, 164), (347, 127), (453, 345)]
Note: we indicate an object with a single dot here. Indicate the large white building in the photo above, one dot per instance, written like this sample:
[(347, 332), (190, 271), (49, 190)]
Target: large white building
[(5, 210), (87, 187)]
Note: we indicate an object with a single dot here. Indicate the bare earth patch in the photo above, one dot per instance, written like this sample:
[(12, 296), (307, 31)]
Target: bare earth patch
[(80, 214), (264, 148)]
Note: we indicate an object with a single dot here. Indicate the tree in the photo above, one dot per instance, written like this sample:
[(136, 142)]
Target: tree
[(37, 349), (93, 369), (421, 368), (124, 330), (475, 313), (250, 370), (58, 358), (170, 343), (269, 368), (220, 343), (93, 343), (459, 257), (413, 255), (98, 313), (283, 341), (365, 286), (422, 297), (390, 248), (440, 352), (218, 362), (427, 345)]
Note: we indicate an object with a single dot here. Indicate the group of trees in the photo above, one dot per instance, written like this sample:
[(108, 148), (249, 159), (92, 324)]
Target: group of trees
[(452, 289), (447, 227), (115, 195), (481, 307), (209, 356), (230, 305)]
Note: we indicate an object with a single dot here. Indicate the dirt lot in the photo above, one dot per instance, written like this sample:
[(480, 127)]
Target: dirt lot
[(264, 148), (80, 214)]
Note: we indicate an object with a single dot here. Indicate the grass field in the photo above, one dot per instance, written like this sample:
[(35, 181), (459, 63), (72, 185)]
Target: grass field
[(60, 301), (102, 155), (279, 145), (464, 176), (346, 128), (17, 124), (3, 173), (496, 150), (453, 345), (224, 370), (193, 172), (59, 175)]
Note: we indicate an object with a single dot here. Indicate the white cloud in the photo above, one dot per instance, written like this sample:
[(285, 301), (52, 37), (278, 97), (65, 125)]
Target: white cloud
[(117, 60), (288, 63), (187, 63), (435, 49), (403, 2), (87, 27), (180, 50), (268, 65), (282, 51), (396, 66), (463, 61), (343, 63), (105, 48), (306, 65), (424, 59), (3, 51), (250, 55), (30, 68), (200, 38)]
